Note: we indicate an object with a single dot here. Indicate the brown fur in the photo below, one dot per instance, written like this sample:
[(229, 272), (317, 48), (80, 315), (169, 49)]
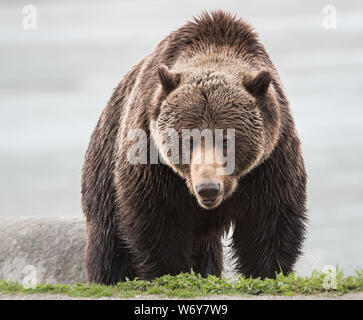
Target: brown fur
[(145, 220)]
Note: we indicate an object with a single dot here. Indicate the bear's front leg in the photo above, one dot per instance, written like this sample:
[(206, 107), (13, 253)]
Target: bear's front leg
[(108, 259), (160, 242), (208, 257), (267, 243), (271, 214)]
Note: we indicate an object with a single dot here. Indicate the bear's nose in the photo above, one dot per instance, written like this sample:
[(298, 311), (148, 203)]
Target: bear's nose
[(208, 190)]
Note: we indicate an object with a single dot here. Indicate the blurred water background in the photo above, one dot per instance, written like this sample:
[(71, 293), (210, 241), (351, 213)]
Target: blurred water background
[(55, 81)]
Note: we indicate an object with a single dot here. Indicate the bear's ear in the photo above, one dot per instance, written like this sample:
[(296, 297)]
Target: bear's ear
[(168, 79), (257, 85)]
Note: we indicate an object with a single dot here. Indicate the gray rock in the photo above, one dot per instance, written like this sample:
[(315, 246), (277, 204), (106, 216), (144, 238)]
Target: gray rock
[(51, 250)]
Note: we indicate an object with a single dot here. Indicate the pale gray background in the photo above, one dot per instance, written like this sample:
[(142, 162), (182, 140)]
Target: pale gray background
[(55, 80)]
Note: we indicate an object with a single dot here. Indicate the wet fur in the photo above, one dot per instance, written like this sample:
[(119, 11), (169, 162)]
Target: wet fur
[(143, 221)]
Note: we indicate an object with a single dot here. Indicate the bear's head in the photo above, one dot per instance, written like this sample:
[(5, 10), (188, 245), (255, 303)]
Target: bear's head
[(212, 128)]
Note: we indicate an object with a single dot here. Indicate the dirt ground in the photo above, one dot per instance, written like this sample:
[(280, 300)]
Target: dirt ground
[(348, 296)]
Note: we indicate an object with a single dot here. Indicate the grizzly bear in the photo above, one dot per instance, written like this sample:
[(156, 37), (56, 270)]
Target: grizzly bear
[(150, 218)]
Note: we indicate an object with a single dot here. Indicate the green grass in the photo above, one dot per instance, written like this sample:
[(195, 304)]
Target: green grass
[(187, 285)]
